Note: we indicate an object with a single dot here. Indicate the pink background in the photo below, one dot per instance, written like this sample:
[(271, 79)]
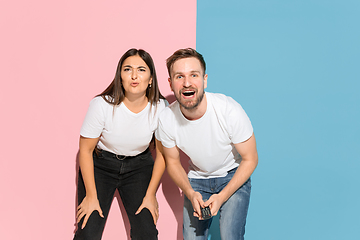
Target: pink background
[(55, 56)]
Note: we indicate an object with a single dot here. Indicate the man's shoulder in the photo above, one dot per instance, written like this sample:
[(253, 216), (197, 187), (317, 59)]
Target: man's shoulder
[(222, 101), (219, 97), (169, 111)]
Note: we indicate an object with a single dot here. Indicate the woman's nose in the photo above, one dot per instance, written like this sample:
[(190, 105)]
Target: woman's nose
[(134, 74)]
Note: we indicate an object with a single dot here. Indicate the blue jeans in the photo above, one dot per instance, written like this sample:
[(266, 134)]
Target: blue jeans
[(131, 177), (232, 213)]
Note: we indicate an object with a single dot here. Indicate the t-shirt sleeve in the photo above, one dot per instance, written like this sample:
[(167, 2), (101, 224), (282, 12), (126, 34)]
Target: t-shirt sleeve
[(240, 128), (162, 105), (94, 121), (163, 134)]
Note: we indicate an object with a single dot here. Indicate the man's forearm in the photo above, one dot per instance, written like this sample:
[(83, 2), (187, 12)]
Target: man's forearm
[(242, 174), (179, 176)]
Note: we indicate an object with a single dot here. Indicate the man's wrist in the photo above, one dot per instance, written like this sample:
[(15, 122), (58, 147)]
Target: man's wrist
[(189, 193)]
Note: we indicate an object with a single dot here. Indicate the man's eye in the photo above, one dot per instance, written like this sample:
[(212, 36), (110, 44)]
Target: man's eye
[(194, 75), (178, 77)]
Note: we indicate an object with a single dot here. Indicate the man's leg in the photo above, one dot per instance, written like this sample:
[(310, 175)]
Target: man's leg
[(193, 228), (233, 214)]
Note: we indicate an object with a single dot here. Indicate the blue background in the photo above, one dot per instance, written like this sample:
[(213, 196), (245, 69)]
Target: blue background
[(294, 67)]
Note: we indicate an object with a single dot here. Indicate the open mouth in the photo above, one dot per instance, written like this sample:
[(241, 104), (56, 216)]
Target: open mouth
[(188, 93)]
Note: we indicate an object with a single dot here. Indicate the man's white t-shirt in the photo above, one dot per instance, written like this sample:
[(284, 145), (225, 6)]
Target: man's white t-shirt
[(208, 141), (121, 131)]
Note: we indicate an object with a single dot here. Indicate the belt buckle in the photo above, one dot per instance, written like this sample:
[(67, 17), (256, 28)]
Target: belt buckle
[(120, 158)]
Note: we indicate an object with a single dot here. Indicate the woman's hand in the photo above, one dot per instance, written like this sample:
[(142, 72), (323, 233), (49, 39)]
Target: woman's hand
[(150, 203), (87, 206)]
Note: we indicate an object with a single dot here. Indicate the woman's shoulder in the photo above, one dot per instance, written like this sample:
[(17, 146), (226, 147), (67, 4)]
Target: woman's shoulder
[(99, 102)]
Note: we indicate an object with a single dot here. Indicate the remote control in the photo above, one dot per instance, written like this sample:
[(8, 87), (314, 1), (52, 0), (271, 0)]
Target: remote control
[(206, 213)]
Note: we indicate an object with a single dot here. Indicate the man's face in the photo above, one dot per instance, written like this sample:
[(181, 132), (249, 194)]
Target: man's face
[(188, 82)]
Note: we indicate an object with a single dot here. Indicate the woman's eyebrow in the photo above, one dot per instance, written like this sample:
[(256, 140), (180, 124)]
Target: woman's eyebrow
[(132, 66)]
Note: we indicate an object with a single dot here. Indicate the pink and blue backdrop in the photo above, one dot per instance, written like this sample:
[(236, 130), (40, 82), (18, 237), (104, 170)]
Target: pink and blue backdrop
[(55, 57), (293, 65)]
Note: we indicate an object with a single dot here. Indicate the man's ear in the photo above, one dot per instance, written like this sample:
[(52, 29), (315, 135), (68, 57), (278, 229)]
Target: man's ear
[(169, 80), (205, 80)]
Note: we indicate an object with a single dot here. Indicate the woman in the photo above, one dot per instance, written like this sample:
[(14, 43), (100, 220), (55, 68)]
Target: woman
[(114, 150)]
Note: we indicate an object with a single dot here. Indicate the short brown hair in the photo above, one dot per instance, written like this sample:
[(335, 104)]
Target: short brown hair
[(184, 53)]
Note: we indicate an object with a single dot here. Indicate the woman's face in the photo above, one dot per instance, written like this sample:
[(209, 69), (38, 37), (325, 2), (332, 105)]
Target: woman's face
[(135, 75)]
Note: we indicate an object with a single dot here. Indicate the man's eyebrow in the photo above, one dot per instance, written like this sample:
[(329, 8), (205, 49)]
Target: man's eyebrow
[(176, 73), (193, 71)]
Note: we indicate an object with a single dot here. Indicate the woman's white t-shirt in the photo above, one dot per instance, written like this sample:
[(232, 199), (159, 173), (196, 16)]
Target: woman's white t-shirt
[(121, 131)]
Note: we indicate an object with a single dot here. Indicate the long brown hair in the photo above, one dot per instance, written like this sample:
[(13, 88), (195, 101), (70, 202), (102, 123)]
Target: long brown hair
[(115, 93)]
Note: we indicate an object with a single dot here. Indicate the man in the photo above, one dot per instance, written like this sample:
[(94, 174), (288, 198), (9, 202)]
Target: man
[(215, 132)]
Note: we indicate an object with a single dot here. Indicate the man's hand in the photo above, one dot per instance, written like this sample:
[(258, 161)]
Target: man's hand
[(87, 206), (214, 202), (150, 203), (197, 203)]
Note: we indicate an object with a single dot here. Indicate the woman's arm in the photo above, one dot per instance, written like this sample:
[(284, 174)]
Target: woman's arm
[(149, 200), (90, 203)]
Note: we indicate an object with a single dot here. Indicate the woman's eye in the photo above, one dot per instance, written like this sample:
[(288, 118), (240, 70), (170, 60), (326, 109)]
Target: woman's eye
[(142, 70), (126, 69)]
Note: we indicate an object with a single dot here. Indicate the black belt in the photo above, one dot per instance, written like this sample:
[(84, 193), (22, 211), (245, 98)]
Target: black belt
[(119, 157)]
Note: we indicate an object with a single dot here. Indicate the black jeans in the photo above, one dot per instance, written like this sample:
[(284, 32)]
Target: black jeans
[(131, 176)]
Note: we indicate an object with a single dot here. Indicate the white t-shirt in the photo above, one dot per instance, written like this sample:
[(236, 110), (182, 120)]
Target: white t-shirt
[(121, 131), (208, 141)]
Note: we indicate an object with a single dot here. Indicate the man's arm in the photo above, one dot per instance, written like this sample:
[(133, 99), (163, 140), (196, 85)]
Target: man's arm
[(249, 161), (179, 176)]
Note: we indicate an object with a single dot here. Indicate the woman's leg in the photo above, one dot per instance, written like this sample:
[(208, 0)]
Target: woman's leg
[(135, 178), (105, 187)]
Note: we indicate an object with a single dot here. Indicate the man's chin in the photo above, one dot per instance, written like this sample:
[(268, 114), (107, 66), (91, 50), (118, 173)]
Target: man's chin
[(188, 105)]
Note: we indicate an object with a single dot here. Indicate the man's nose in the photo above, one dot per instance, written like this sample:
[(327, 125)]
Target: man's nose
[(186, 82)]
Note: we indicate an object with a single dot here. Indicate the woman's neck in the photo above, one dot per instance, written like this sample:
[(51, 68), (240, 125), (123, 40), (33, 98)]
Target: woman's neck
[(136, 104)]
